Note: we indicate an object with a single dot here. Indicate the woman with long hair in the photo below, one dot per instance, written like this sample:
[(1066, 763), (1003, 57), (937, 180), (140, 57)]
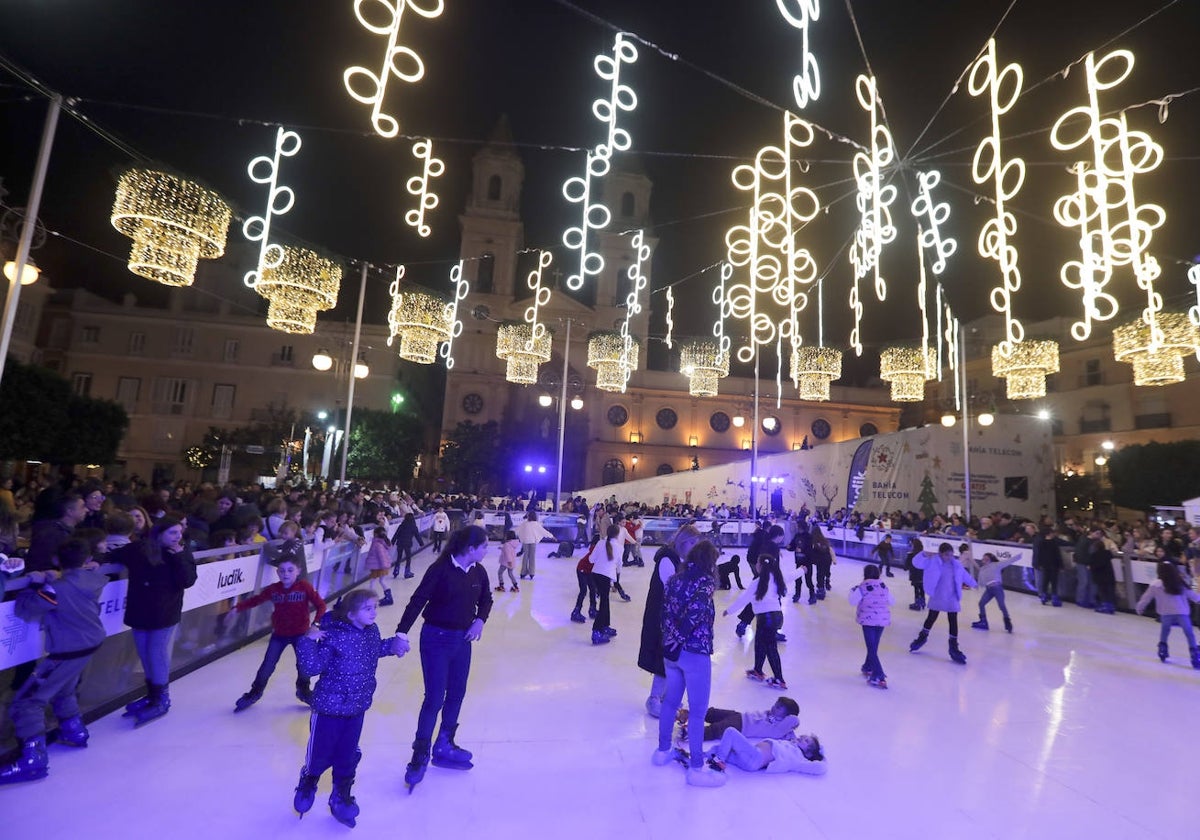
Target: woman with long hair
[(667, 561), (687, 635), (604, 572), (766, 599), (455, 598), (1171, 597), (160, 568)]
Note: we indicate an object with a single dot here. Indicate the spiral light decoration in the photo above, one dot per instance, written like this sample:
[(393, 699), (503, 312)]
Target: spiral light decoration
[(174, 223), (418, 185), (806, 85), (908, 369), (1157, 360)]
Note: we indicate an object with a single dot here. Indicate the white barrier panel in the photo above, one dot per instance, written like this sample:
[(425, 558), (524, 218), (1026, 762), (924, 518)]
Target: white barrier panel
[(220, 580)]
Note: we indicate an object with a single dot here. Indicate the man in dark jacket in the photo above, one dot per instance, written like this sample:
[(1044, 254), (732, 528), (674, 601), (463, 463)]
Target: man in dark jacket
[(48, 534)]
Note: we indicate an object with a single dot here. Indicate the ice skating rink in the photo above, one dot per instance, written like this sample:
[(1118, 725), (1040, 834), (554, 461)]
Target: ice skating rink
[(1069, 727)]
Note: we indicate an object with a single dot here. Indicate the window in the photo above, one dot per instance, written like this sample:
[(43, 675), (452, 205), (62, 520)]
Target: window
[(222, 401), (614, 472), (231, 350), (485, 280), (628, 206), (128, 388), (494, 188), (285, 357), (81, 384), (137, 343), (1092, 375), (172, 395), (185, 339), (91, 335)]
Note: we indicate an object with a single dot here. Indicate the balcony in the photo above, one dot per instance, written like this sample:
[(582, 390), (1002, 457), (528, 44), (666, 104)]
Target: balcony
[(1087, 427), (1162, 420)]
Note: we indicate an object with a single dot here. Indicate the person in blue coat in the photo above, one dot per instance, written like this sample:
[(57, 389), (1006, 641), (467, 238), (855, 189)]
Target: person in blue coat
[(945, 578)]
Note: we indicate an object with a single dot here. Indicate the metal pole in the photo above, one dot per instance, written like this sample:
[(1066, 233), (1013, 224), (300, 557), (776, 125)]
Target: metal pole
[(30, 224), (754, 443), (966, 417), (362, 293), (562, 420)]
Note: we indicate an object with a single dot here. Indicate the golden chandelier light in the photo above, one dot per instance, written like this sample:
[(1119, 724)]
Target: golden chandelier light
[(908, 369), (422, 321), (523, 348), (301, 285), (704, 364), (813, 369), (613, 361), (1025, 367), (173, 224), (1161, 362)]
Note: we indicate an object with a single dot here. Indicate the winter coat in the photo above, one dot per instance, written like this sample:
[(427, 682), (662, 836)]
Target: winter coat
[(873, 600), (378, 555), (70, 615), (1047, 555), (532, 531), (345, 660), (508, 553), (650, 650), (155, 589), (934, 568), (1164, 602), (688, 613)]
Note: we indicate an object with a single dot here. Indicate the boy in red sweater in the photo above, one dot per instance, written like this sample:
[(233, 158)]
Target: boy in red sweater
[(289, 622)]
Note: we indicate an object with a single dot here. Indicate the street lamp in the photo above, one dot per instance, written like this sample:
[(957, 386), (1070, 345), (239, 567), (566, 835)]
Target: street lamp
[(29, 275), (633, 471), (545, 400), (321, 360)]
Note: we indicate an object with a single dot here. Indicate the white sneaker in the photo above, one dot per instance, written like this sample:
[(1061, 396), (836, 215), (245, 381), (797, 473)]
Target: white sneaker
[(705, 777), (662, 758)]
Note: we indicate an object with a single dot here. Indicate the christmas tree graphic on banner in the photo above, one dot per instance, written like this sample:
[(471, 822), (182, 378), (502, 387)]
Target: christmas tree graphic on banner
[(927, 498)]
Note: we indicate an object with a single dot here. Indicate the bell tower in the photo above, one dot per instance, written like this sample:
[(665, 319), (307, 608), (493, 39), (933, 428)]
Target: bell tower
[(492, 231)]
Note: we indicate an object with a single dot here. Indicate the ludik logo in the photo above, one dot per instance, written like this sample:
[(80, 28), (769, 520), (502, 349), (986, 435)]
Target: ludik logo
[(232, 579)]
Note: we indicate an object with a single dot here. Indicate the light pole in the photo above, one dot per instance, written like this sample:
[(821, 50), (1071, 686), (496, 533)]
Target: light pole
[(362, 293), (576, 404)]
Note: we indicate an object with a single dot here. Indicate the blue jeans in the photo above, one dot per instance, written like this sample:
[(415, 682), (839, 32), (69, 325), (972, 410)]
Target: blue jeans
[(694, 672), (154, 649), (990, 593), (872, 635), (445, 666), (1183, 622), (275, 649), (1083, 585)]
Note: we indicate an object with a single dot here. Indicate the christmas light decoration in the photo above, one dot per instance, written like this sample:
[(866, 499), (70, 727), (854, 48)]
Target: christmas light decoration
[(933, 215), (1012, 356), (704, 364), (265, 170), (670, 317), (419, 320), (522, 350), (594, 215), (1026, 367), (1114, 229), (173, 224), (1194, 313), (461, 288), (541, 296), (1157, 359), (300, 285), (874, 202), (767, 248), (399, 61), (633, 305), (418, 185), (908, 369), (813, 369), (614, 357), (806, 85)]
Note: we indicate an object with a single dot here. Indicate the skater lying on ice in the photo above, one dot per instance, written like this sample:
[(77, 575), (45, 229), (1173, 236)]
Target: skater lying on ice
[(779, 721), (793, 754)]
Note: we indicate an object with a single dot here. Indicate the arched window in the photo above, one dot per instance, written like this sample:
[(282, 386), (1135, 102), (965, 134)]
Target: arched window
[(494, 188), (665, 469), (614, 472), (628, 206), (485, 276)]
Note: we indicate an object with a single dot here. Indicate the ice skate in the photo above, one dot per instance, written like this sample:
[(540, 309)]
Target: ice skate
[(342, 805), (578, 618), (919, 642), (981, 624), (306, 793), (956, 654), (248, 699), (131, 709), (599, 637), (415, 771), (450, 755), (1007, 624), (386, 600), (72, 732), (1162, 652), (877, 683), (160, 704), (1196, 658), (33, 764)]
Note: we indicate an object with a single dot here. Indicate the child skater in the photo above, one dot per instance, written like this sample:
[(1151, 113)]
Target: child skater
[(766, 601), (604, 572), (291, 598), (379, 559), (508, 559), (345, 652), (1171, 598), (916, 576), (776, 722), (993, 589), (797, 754), (587, 587), (946, 577), (66, 603), (873, 601)]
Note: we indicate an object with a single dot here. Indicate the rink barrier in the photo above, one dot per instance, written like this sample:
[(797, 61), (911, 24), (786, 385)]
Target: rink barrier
[(207, 631)]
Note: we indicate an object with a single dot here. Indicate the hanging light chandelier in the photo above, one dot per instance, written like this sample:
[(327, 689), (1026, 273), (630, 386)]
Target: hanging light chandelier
[(1157, 362), (813, 369), (704, 364), (908, 369), (421, 321), (173, 224), (302, 284), (523, 347), (1025, 367), (614, 357)]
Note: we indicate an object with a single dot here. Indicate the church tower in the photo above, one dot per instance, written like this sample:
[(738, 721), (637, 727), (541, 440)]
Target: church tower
[(492, 231)]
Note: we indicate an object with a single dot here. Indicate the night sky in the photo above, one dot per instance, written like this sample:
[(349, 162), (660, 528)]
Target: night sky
[(199, 87)]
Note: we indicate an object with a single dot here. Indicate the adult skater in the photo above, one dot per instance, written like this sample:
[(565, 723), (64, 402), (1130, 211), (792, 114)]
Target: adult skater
[(455, 598), (650, 653)]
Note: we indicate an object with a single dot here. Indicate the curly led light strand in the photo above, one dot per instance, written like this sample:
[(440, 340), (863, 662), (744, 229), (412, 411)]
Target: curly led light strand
[(398, 60), (541, 297), (461, 288), (874, 199), (670, 317), (418, 185), (633, 305), (265, 170), (933, 215), (806, 85)]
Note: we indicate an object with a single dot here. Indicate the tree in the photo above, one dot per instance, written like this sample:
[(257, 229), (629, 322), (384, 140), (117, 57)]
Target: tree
[(42, 419), (280, 427), (469, 455), (1078, 493), (383, 445), (1145, 475)]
